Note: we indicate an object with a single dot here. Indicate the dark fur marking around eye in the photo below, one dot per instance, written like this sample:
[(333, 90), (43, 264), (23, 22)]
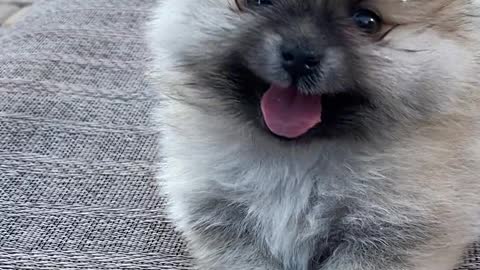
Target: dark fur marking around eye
[(382, 39), (410, 50), (388, 32)]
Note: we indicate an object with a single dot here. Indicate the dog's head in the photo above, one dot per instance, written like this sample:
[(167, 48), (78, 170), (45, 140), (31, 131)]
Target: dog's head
[(303, 69)]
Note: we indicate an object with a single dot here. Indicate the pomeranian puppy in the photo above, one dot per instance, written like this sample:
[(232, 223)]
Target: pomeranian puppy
[(320, 134)]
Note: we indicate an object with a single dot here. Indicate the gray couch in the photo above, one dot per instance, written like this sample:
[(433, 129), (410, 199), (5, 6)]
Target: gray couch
[(77, 145)]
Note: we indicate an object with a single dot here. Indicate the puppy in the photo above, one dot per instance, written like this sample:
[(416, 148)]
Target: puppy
[(320, 134)]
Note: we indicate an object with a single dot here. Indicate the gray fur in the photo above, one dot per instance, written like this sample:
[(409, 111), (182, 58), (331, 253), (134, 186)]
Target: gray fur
[(396, 189)]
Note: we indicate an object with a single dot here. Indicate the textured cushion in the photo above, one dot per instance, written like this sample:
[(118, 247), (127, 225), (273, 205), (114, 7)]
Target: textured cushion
[(77, 146)]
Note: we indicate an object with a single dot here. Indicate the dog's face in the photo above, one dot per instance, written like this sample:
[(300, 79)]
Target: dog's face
[(303, 69)]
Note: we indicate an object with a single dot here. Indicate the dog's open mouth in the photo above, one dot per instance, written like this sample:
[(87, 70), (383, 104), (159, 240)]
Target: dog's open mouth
[(289, 113)]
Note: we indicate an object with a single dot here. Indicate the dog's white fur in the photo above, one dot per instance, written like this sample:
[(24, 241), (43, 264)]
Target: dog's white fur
[(428, 171)]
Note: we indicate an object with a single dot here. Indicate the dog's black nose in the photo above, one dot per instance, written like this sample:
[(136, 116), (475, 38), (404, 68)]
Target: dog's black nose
[(298, 61)]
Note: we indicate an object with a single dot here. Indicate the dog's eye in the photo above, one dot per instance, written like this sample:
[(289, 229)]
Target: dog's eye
[(367, 20), (259, 2)]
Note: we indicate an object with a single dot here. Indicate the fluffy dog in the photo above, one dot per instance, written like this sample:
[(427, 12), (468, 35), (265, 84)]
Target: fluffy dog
[(320, 134)]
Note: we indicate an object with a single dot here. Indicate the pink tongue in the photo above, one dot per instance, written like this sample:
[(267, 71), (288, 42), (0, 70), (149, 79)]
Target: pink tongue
[(290, 114)]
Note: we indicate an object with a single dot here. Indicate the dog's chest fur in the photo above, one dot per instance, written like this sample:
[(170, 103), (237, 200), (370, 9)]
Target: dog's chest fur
[(292, 204)]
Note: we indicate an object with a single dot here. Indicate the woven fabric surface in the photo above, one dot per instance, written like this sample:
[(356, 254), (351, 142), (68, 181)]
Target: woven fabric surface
[(78, 150)]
